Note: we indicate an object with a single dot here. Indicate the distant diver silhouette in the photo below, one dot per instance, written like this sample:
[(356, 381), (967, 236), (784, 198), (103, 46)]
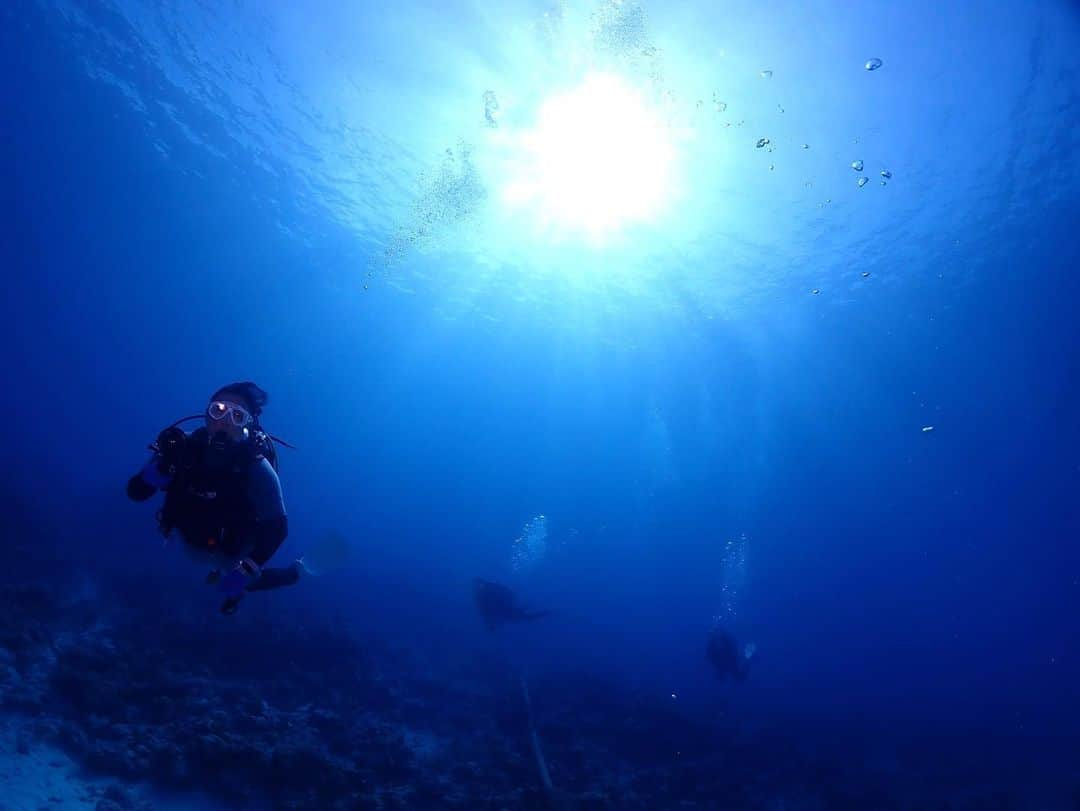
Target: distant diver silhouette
[(726, 658), (499, 605)]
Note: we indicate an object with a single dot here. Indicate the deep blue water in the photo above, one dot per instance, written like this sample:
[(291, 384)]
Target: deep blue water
[(309, 197)]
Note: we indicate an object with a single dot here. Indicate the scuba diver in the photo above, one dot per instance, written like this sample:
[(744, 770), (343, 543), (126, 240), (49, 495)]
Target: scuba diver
[(222, 493), (726, 658), (498, 605)]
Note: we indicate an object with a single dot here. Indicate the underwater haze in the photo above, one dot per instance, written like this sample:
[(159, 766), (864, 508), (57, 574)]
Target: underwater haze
[(682, 321)]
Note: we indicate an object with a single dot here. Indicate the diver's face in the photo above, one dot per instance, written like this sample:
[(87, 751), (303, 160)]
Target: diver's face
[(228, 416)]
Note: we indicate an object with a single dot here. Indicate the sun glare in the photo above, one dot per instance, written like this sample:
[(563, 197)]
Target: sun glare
[(598, 158)]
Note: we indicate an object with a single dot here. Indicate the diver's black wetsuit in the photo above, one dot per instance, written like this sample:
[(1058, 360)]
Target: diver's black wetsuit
[(724, 655), (226, 503), (498, 605)]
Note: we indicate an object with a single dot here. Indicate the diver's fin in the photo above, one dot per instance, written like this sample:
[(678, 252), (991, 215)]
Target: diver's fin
[(302, 568), (328, 551)]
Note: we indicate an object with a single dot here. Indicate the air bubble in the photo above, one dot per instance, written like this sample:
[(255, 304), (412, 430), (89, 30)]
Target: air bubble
[(885, 173), (863, 181), (491, 111), (857, 165), (873, 64), (531, 546), (766, 74), (762, 142)]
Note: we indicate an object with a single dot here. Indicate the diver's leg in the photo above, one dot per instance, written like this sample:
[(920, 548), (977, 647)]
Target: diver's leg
[(276, 578)]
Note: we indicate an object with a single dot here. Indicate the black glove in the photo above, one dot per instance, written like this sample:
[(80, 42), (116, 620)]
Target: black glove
[(138, 489), (170, 446)]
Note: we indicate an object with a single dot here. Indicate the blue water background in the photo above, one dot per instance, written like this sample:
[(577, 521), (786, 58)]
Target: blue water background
[(191, 197)]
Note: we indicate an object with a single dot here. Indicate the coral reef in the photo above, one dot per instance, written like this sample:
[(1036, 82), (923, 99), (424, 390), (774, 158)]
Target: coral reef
[(295, 717)]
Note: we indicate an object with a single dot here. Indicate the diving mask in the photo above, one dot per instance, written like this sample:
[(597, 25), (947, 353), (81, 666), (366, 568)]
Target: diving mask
[(219, 410)]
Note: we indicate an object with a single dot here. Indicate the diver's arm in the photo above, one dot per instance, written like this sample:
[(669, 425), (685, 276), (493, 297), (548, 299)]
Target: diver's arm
[(271, 524), (149, 480)]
